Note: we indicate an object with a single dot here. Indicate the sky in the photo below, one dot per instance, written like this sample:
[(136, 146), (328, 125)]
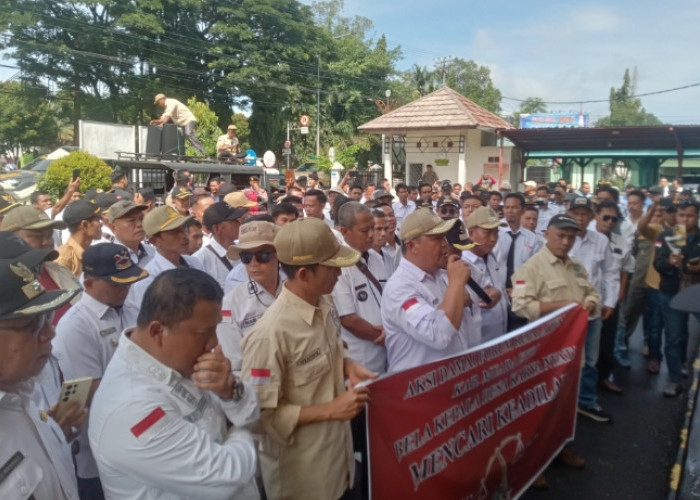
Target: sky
[(566, 53), (560, 51)]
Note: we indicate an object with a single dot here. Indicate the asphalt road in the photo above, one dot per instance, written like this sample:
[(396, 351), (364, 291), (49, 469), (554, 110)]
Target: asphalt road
[(631, 457)]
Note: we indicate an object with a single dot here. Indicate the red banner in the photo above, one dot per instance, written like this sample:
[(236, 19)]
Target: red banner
[(482, 424)]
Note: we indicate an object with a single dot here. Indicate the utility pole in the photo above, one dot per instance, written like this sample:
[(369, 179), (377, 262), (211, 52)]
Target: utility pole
[(318, 108), (442, 64)]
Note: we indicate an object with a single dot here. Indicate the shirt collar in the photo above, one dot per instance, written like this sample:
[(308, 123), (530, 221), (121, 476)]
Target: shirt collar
[(218, 248), (144, 362), (303, 308), (95, 305), (76, 247), (553, 259), (415, 271)]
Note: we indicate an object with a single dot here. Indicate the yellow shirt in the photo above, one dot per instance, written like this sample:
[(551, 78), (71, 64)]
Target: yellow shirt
[(293, 357), (70, 255), (547, 278)]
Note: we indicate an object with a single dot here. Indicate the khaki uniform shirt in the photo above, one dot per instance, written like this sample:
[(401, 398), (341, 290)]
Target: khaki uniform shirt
[(547, 278), (179, 113), (293, 357), (70, 255)]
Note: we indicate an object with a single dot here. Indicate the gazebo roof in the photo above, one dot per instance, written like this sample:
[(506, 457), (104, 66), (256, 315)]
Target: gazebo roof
[(439, 110)]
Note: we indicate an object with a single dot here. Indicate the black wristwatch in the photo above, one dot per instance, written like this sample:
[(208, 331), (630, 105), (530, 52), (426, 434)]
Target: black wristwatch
[(238, 388)]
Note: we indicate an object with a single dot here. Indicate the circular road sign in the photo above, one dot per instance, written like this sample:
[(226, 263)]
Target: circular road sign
[(304, 120)]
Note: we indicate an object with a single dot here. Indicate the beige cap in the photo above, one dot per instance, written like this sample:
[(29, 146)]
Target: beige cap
[(180, 192), (158, 98), (231, 127), (338, 190), (530, 184), (238, 200), (483, 217), (163, 218), (29, 217), (253, 235), (121, 208), (310, 241), (423, 222)]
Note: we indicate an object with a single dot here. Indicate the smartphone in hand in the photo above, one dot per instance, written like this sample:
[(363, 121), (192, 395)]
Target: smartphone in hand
[(76, 173), (73, 390)]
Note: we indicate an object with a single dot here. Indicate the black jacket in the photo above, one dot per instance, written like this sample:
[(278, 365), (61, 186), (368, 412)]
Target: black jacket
[(672, 276)]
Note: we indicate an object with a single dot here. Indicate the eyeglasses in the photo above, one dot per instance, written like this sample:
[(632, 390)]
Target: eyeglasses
[(608, 218), (447, 210), (262, 256), (35, 326)]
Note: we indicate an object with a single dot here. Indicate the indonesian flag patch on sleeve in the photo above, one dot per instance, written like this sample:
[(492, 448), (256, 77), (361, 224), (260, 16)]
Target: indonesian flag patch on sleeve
[(520, 284), (149, 421), (259, 376), (409, 304), (226, 316)]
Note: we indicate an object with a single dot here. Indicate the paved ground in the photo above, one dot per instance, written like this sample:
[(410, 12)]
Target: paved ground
[(632, 457)]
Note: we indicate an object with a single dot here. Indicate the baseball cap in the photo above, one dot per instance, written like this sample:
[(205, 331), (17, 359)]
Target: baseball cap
[(445, 186), (656, 190), (313, 175), (530, 184), (80, 210), (505, 186), (220, 212), (336, 189), (180, 193), (106, 200), (163, 218), (253, 235), (231, 127), (457, 237), (238, 199), (14, 247), (254, 178), (380, 193), (91, 194), (447, 200), (121, 208), (158, 98), (22, 293), (483, 217), (423, 222), (28, 217), (310, 241), (563, 221), (111, 262), (580, 201)]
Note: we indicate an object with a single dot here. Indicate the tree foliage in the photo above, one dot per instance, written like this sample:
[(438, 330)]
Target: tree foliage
[(94, 173), (625, 108), (528, 106), (474, 83)]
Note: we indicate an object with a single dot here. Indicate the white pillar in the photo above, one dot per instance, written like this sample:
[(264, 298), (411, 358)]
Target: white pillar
[(386, 158), (462, 167)]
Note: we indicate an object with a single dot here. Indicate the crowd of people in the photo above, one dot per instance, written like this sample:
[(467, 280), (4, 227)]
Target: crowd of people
[(229, 334)]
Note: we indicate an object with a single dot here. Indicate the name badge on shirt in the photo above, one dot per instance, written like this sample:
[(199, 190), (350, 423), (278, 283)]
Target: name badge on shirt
[(10, 465), (108, 331)]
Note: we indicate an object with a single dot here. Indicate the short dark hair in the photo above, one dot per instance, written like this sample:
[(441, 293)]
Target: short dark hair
[(291, 271), (400, 185), (173, 294), (638, 193), (420, 186), (542, 188), (411, 187), (608, 189), (320, 197), (34, 197), (117, 175), (495, 193), (292, 199), (259, 218), (219, 180), (148, 194), (356, 186), (531, 208), (607, 204), (283, 207), (517, 196), (192, 222)]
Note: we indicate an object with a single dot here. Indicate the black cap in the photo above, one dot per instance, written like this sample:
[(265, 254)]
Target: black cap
[(13, 247), (23, 295), (656, 190), (106, 200), (445, 186), (563, 221), (80, 210), (220, 212), (580, 201), (447, 200), (111, 262), (457, 237), (91, 194)]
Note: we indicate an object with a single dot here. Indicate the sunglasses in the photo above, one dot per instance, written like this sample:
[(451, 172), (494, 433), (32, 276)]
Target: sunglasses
[(448, 210), (35, 325), (262, 256), (608, 218)]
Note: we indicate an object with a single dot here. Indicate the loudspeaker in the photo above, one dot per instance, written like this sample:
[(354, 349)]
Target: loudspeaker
[(173, 141), (154, 137)]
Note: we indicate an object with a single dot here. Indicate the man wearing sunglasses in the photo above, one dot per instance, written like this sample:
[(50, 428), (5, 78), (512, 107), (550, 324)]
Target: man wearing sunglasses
[(607, 216), (35, 458), (246, 302), (448, 208)]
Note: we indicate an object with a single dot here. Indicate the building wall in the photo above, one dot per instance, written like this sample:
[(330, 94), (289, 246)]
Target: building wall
[(432, 147)]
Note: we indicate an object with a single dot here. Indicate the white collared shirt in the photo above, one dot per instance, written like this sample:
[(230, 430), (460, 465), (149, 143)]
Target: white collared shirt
[(86, 339), (213, 265), (526, 245), (132, 304), (155, 435), (494, 321), (46, 467), (401, 211), (593, 250), (143, 256), (354, 293), (241, 308), (417, 332)]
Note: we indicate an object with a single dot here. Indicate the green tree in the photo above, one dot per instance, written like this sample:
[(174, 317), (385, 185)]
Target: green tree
[(474, 83), (208, 130), (243, 133), (528, 106), (94, 173), (625, 108), (26, 118)]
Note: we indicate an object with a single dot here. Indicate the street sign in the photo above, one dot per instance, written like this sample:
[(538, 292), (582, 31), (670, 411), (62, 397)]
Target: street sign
[(286, 151), (287, 144), (269, 159), (304, 120), (304, 130)]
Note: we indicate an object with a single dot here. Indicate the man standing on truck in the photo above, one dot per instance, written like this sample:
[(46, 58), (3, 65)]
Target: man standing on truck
[(227, 145), (180, 115)]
